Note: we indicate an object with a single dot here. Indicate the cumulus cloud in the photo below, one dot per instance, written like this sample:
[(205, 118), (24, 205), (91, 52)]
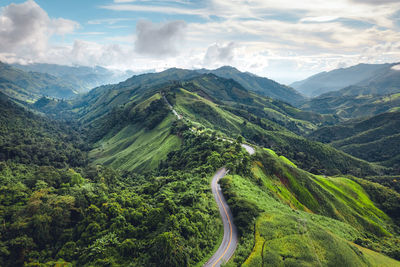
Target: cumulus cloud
[(25, 29), (217, 53), (159, 39)]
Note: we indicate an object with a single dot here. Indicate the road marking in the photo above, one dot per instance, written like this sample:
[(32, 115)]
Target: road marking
[(229, 221)]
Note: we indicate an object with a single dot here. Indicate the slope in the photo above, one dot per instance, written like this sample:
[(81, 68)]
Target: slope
[(339, 78), (29, 138), (197, 106), (30, 86), (103, 99), (136, 137), (261, 85), (206, 101), (377, 94), (287, 216), (353, 106), (82, 78), (375, 139)]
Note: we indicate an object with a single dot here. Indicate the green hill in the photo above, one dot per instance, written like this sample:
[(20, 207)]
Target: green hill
[(30, 86), (144, 198), (261, 85), (354, 106), (375, 139), (218, 104), (29, 138), (290, 217)]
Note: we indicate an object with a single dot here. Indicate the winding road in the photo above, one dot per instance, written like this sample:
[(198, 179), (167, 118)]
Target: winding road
[(230, 239)]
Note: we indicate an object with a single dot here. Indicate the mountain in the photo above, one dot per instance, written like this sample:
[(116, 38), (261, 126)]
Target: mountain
[(375, 139), (103, 99), (359, 75), (377, 94), (353, 106), (123, 120), (30, 86), (144, 199), (82, 78), (258, 84)]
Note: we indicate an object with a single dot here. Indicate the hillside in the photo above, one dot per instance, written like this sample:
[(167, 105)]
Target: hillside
[(29, 138), (145, 190), (30, 86), (215, 103), (361, 74), (374, 139), (261, 85), (353, 106), (288, 216), (82, 78)]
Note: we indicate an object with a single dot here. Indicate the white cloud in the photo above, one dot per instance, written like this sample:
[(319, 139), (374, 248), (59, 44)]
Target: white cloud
[(219, 54), (159, 39), (26, 28), (284, 39), (396, 67)]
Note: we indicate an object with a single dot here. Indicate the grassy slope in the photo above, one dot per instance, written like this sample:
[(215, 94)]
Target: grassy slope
[(309, 220), (315, 155), (135, 148)]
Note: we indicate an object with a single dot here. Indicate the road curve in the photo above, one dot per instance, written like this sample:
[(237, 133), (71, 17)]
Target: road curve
[(230, 239), (249, 149)]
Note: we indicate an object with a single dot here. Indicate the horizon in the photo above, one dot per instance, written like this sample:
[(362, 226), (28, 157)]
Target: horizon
[(277, 40)]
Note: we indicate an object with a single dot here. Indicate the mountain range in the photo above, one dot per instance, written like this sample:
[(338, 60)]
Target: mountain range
[(361, 75), (121, 175), (82, 78)]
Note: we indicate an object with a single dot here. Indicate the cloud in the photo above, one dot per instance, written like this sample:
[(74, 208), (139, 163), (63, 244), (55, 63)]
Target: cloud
[(26, 28), (110, 21), (159, 39), (157, 9), (217, 54), (375, 2)]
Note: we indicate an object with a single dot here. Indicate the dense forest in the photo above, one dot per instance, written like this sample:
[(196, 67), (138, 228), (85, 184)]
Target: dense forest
[(114, 178), (89, 215)]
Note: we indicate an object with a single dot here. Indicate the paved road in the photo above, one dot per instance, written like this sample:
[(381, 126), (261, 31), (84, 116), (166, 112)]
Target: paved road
[(173, 110), (230, 239), (249, 149)]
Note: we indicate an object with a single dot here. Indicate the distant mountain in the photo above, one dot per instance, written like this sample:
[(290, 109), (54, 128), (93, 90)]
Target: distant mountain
[(377, 94), (353, 106), (360, 75), (258, 84), (30, 86), (375, 139), (82, 78)]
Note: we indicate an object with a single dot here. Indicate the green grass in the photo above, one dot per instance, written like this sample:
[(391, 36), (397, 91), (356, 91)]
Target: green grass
[(135, 148), (292, 230)]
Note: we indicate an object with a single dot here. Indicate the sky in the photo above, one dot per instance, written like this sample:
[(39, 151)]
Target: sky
[(284, 40)]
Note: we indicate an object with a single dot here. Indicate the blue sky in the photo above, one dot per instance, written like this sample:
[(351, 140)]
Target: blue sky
[(284, 40)]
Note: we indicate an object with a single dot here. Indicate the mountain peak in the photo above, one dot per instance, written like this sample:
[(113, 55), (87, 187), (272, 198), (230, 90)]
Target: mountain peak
[(227, 68)]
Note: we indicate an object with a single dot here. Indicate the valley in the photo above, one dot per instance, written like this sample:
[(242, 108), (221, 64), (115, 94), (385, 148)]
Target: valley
[(137, 173)]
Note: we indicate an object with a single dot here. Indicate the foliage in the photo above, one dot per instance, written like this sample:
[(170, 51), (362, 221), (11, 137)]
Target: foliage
[(29, 138)]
